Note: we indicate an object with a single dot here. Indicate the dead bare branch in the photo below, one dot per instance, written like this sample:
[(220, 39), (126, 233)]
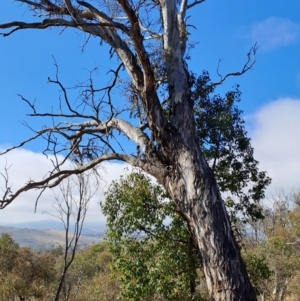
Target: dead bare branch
[(293, 243), (102, 16), (251, 59), (195, 3), (56, 178), (22, 143), (37, 25)]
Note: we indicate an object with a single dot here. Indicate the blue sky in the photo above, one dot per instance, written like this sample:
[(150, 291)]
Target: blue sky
[(225, 29)]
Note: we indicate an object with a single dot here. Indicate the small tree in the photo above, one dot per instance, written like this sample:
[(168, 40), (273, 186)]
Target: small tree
[(150, 243), (71, 205)]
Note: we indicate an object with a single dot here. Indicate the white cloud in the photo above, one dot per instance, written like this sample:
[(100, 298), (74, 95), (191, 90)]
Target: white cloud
[(276, 141), (274, 32), (25, 165), (275, 138)]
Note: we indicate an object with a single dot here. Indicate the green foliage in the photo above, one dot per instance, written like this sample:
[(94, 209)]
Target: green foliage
[(227, 148), (149, 241), (90, 262), (23, 273), (89, 276), (257, 267), (27, 275), (8, 253), (273, 256)]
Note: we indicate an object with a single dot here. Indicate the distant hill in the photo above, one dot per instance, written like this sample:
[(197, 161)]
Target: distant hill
[(45, 239), (93, 229)]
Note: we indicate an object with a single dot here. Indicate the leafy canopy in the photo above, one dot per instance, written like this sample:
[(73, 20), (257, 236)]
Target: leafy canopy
[(149, 241), (227, 148)]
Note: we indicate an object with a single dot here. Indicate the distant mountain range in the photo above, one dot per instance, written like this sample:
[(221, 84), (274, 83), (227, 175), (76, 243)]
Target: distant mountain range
[(46, 235), (89, 228)]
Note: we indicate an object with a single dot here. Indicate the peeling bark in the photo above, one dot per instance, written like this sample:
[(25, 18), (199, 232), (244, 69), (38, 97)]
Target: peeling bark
[(192, 186)]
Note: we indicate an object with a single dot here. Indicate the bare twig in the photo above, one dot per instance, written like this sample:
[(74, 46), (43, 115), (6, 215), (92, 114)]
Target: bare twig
[(195, 3), (293, 243), (71, 209), (251, 59)]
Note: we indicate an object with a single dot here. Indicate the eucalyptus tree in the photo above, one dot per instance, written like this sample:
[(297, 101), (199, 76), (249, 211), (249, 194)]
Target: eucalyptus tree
[(149, 38), (134, 205)]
